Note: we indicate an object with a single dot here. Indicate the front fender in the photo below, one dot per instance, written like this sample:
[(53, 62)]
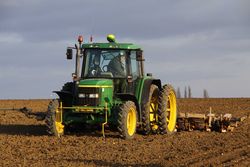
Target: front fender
[(65, 97)]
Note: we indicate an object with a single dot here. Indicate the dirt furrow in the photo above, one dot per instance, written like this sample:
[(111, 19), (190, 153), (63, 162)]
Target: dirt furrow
[(25, 142)]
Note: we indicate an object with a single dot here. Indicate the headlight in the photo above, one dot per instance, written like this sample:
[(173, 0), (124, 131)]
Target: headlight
[(93, 95), (81, 95)]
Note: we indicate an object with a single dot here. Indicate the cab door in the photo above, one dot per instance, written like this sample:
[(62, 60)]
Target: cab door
[(133, 72)]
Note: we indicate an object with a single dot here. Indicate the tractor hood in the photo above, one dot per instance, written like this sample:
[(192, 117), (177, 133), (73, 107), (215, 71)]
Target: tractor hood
[(95, 92), (97, 83)]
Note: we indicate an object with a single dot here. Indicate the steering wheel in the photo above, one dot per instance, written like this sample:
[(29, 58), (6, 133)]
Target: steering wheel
[(103, 68)]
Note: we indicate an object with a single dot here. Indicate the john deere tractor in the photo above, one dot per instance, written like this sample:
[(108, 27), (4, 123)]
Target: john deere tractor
[(110, 89)]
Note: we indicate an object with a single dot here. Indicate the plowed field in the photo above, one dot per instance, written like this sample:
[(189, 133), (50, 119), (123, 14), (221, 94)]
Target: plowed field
[(24, 141)]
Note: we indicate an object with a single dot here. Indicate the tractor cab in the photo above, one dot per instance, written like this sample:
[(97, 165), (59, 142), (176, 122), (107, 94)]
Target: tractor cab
[(119, 65), (120, 62)]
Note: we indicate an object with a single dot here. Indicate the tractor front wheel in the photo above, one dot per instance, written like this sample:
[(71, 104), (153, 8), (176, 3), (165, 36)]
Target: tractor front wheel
[(127, 120), (53, 119)]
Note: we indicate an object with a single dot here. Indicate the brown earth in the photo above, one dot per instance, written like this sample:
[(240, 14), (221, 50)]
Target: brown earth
[(24, 142)]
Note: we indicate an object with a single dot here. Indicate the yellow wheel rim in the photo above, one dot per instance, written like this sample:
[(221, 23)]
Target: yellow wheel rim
[(153, 117), (171, 111), (131, 121)]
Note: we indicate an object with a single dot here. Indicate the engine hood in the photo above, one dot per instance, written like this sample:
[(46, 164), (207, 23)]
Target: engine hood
[(98, 83)]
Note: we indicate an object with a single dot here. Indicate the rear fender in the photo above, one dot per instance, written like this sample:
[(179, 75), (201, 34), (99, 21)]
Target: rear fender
[(146, 90)]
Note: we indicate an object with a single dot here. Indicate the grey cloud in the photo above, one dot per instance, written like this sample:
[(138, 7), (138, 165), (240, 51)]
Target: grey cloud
[(185, 42), (55, 21)]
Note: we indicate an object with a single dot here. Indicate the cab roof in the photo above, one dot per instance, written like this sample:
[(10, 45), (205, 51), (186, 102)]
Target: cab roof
[(111, 45)]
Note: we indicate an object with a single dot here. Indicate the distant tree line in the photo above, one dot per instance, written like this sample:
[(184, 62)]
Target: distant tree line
[(205, 94), (188, 93)]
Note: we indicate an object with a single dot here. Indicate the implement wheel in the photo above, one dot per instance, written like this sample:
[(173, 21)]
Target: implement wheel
[(53, 119), (127, 120), (167, 110), (150, 113)]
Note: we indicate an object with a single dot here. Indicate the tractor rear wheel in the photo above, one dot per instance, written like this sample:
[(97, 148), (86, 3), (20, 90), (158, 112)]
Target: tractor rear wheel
[(127, 120), (53, 119), (167, 110), (150, 113)]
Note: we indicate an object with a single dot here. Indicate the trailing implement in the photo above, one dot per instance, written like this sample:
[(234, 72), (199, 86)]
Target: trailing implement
[(207, 122), (111, 89)]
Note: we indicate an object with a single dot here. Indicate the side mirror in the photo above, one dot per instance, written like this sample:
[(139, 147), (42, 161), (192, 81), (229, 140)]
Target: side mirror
[(69, 54)]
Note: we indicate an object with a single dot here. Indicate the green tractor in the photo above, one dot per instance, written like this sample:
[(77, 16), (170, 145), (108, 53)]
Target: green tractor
[(110, 89)]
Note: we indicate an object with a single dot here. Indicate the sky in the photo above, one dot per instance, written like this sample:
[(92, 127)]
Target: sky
[(201, 44)]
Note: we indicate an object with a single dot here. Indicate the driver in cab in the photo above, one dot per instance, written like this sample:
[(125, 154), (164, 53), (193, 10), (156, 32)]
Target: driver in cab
[(117, 66)]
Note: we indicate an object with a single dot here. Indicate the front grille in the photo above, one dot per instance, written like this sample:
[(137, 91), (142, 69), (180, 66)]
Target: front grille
[(86, 100)]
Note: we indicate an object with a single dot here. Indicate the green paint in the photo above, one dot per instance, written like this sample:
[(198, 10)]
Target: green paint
[(139, 88), (105, 92), (96, 82)]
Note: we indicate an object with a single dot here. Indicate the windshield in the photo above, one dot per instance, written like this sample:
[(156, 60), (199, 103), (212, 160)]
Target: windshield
[(104, 63)]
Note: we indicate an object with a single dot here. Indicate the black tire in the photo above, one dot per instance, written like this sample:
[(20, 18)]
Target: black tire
[(127, 120), (167, 115), (162, 114), (147, 127), (53, 128)]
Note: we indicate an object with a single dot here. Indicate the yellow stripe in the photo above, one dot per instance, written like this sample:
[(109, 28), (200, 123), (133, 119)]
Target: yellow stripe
[(94, 86), (84, 108)]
